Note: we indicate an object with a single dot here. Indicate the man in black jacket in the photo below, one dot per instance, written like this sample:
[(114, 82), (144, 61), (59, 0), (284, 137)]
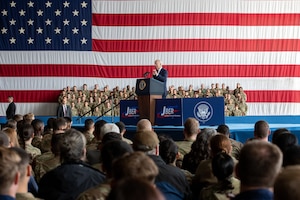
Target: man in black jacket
[(11, 109)]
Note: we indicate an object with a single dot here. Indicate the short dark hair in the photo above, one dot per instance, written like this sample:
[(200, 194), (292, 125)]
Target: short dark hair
[(261, 129), (222, 166), (88, 123), (223, 129), (121, 126), (168, 150)]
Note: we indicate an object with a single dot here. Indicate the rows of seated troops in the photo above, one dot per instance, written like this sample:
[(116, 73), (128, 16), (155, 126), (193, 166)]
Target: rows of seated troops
[(105, 102), (100, 163)]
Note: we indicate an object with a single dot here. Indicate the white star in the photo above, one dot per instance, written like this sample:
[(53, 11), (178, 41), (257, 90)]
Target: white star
[(12, 22), (12, 40), (30, 22), (83, 41), (13, 4), (83, 22), (48, 22), (39, 30), (4, 12), (57, 12), (66, 22), (22, 12), (66, 40), (48, 4), (57, 30), (66, 4), (40, 12), (30, 4), (30, 40), (48, 40), (84, 4), (22, 30), (75, 30), (75, 12), (4, 30)]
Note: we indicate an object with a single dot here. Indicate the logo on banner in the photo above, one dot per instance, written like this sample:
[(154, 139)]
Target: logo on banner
[(169, 111), (131, 112), (203, 111)]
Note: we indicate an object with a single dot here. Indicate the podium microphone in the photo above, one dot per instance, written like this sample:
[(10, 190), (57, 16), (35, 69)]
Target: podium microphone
[(146, 74)]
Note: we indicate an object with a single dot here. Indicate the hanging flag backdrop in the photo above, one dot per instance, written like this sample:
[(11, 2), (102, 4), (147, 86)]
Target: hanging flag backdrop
[(46, 45)]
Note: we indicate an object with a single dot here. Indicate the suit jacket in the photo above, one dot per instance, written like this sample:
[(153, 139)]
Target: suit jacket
[(11, 110), (162, 77), (60, 111)]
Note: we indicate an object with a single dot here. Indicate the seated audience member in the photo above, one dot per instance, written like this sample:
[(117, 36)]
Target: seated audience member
[(9, 174), (287, 183), (171, 181), (135, 189), (236, 145), (291, 156), (122, 128), (4, 140), (38, 126), (69, 122), (18, 117), (110, 152), (261, 130), (227, 186), (94, 145), (285, 141), (49, 160), (259, 164), (25, 174), (89, 127), (278, 132), (204, 174), (28, 118), (143, 125), (73, 176), (13, 137), (168, 151), (190, 131), (26, 134), (11, 124), (199, 150)]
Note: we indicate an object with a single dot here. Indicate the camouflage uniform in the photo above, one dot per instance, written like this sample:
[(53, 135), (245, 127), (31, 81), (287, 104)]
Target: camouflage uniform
[(44, 164), (215, 192), (36, 142), (46, 143), (236, 148), (89, 137), (25, 196), (184, 147), (237, 112), (74, 111), (99, 192), (33, 151)]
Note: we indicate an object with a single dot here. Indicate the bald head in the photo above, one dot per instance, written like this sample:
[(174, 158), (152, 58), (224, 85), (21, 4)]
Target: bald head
[(143, 125)]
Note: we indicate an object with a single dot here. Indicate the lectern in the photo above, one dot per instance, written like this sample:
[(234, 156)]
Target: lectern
[(148, 90)]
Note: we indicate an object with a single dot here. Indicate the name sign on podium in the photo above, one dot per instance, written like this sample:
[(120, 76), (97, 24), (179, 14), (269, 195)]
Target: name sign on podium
[(168, 112), (129, 112)]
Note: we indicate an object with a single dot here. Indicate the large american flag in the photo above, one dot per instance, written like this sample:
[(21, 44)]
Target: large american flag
[(47, 45)]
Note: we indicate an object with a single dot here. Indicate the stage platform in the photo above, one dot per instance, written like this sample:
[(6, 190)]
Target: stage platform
[(241, 128)]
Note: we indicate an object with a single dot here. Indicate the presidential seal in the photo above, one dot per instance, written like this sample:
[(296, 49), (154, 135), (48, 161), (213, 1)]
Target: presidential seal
[(203, 111), (142, 85)]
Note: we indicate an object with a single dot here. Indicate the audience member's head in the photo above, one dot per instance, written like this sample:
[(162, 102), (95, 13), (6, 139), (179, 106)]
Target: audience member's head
[(26, 133), (143, 125), (134, 165), (69, 122), (259, 164), (135, 189), (110, 137), (287, 184), (291, 156), (60, 125), (168, 151), (191, 128), (110, 152), (89, 125), (223, 129), (38, 126), (9, 173), (73, 146), (278, 132), (109, 128), (146, 141), (28, 117), (285, 141), (261, 130), (11, 124), (50, 124), (18, 117), (122, 128), (13, 136), (56, 143), (98, 126), (4, 140), (222, 166), (220, 143)]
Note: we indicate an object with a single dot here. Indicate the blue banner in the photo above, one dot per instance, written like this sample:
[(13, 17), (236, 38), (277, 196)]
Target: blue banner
[(168, 112), (129, 112)]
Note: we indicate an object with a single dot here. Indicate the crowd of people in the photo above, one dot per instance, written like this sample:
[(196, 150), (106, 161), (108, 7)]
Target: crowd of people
[(105, 102), (55, 161)]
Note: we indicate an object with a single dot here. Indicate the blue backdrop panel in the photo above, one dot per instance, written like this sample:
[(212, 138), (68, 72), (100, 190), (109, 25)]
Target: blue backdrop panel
[(208, 111), (129, 112), (168, 112)]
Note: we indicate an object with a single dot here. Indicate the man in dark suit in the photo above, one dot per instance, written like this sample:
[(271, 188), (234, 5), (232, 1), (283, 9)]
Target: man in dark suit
[(161, 74), (11, 109), (64, 110)]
